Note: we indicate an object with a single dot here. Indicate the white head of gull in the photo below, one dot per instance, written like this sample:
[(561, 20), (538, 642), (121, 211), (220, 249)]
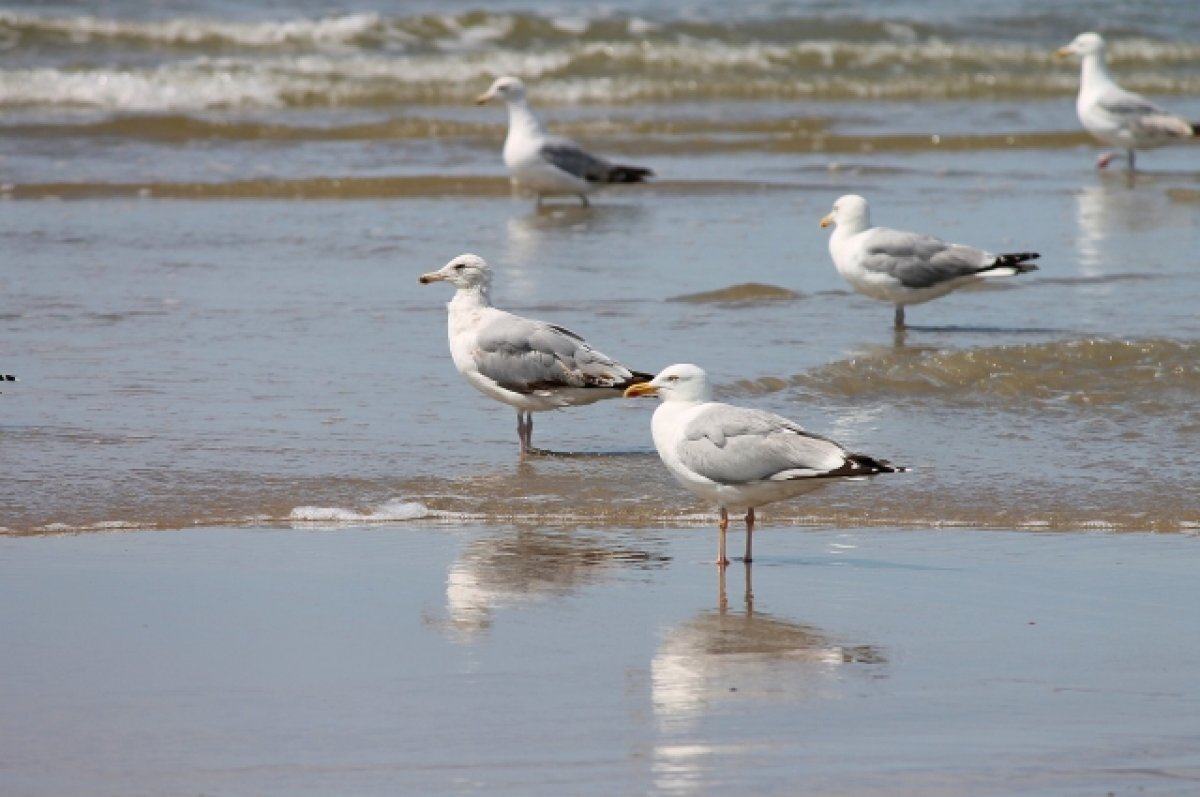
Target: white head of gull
[(527, 364), (549, 165), (1115, 116), (905, 268), (740, 458)]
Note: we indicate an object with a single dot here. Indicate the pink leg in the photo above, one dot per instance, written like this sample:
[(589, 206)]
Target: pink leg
[(749, 535), (1106, 158), (723, 526)]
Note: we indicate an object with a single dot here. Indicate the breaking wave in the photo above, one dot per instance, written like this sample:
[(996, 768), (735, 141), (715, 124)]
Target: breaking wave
[(367, 59)]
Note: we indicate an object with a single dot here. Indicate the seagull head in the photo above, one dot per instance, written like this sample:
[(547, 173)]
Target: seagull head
[(850, 213), (507, 88), (682, 382), (464, 271), (1084, 44)]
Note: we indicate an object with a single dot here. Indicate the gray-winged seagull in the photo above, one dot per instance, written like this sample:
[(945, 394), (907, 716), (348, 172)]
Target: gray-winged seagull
[(527, 364), (737, 457), (906, 267), (1118, 117), (550, 165)]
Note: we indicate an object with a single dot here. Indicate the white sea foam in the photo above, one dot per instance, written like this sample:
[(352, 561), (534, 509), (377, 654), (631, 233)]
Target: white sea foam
[(177, 86), (395, 510), (336, 30)]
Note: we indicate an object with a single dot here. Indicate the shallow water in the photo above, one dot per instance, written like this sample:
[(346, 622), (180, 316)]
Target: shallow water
[(223, 361), (214, 217), (538, 660)]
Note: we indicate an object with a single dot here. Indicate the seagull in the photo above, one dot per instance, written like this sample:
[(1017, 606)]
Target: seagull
[(8, 378), (1118, 117), (550, 165), (737, 457), (907, 267), (527, 364)]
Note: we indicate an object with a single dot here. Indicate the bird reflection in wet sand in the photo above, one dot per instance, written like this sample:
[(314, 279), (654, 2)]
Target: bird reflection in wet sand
[(528, 567), (728, 656)]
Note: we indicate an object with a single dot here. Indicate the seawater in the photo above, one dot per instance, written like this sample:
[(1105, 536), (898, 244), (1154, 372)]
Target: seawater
[(214, 217)]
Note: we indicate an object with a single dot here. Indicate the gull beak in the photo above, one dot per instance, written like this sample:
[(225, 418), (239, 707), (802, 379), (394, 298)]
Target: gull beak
[(641, 389), (827, 219), (432, 276), (483, 99), (1062, 52)]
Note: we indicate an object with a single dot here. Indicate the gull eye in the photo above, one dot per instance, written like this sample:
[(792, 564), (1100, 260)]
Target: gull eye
[(672, 378), (460, 266)]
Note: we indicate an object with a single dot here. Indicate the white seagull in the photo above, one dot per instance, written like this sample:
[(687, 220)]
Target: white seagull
[(550, 165), (1118, 117), (907, 267), (530, 365), (737, 457)]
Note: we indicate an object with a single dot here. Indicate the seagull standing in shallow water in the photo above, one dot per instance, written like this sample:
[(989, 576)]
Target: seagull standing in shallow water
[(550, 165), (907, 267), (1118, 117), (737, 457), (530, 365)]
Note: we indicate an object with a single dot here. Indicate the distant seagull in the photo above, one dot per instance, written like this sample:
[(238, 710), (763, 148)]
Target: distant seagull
[(527, 364), (551, 165), (8, 378), (740, 458), (1118, 117), (907, 267)]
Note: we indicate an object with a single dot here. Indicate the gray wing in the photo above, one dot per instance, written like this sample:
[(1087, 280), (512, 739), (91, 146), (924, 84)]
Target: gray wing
[(524, 355), (1126, 105), (574, 159), (736, 445), (1141, 116), (920, 261)]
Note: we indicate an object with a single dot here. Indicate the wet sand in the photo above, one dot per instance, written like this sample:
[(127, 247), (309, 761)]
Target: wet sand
[(462, 659), (342, 581)]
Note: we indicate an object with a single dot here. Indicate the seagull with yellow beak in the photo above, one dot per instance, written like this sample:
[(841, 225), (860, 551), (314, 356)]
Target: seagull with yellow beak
[(740, 458)]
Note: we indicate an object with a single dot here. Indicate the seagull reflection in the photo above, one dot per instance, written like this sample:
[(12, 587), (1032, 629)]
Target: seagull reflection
[(1100, 211), (532, 237), (725, 657), (528, 567), (1115, 208)]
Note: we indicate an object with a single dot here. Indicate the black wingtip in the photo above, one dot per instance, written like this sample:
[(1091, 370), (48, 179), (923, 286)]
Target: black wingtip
[(1017, 260), (638, 378), (864, 465), (629, 174)]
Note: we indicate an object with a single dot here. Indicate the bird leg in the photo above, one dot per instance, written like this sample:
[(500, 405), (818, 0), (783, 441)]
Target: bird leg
[(898, 322), (1129, 154), (722, 526), (584, 200), (749, 535), (1106, 158), (749, 596), (525, 431)]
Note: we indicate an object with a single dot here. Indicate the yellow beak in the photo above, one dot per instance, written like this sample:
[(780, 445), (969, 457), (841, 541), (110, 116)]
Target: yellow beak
[(432, 276), (484, 98), (640, 389), (1062, 52), (826, 220)]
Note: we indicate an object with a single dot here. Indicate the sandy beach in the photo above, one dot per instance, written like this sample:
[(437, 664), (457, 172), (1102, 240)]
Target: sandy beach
[(466, 659), (258, 536)]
